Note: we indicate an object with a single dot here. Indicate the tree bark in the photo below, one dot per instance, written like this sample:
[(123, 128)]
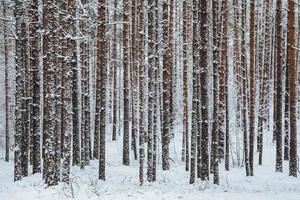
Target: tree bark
[(291, 41)]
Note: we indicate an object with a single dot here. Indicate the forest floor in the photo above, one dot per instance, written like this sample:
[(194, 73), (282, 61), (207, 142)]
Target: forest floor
[(122, 183)]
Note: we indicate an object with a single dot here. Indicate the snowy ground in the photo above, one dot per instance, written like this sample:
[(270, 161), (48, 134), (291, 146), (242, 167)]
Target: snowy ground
[(122, 183)]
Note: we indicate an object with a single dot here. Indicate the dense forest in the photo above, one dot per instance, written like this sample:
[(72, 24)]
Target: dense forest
[(216, 77)]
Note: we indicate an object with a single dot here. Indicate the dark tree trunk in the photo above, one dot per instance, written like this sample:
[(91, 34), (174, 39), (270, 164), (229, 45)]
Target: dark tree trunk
[(291, 41), (252, 86), (204, 88), (278, 70), (140, 55), (126, 56), (102, 76), (35, 66)]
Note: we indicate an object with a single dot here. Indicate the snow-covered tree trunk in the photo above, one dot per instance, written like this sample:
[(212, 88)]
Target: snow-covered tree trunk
[(36, 73), (126, 86), (102, 47), (252, 86), (140, 55), (204, 82), (50, 66), (20, 73), (69, 64), (278, 70)]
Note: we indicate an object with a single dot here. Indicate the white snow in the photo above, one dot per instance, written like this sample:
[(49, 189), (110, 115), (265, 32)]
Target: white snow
[(122, 183)]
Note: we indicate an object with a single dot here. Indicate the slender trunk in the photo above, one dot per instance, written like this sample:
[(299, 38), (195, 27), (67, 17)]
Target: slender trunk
[(102, 77), (186, 41), (215, 128), (167, 83), (252, 86), (292, 86), (278, 70), (126, 85), (19, 60), (140, 55), (35, 46), (6, 78), (244, 109), (204, 88)]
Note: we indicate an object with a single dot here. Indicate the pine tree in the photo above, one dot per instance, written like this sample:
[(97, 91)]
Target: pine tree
[(244, 104), (151, 87), (195, 100), (167, 82), (134, 80), (215, 128), (36, 73), (223, 84), (101, 81), (126, 64), (6, 78), (51, 166), (286, 115), (291, 62), (76, 99), (70, 63), (252, 85), (278, 124), (203, 19), (20, 73), (140, 55), (186, 57), (115, 70)]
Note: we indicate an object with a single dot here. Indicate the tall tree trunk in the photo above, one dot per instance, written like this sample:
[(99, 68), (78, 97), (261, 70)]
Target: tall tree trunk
[(167, 83), (19, 60), (6, 79), (140, 28), (76, 97), (134, 79), (36, 73), (186, 69), (286, 115), (195, 100), (126, 56), (102, 76), (291, 41), (223, 84), (278, 118), (115, 71), (204, 88), (252, 86), (244, 109), (70, 63), (52, 169), (215, 128), (151, 87)]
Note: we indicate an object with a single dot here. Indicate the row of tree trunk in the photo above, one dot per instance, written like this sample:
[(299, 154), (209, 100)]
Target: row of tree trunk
[(78, 69)]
